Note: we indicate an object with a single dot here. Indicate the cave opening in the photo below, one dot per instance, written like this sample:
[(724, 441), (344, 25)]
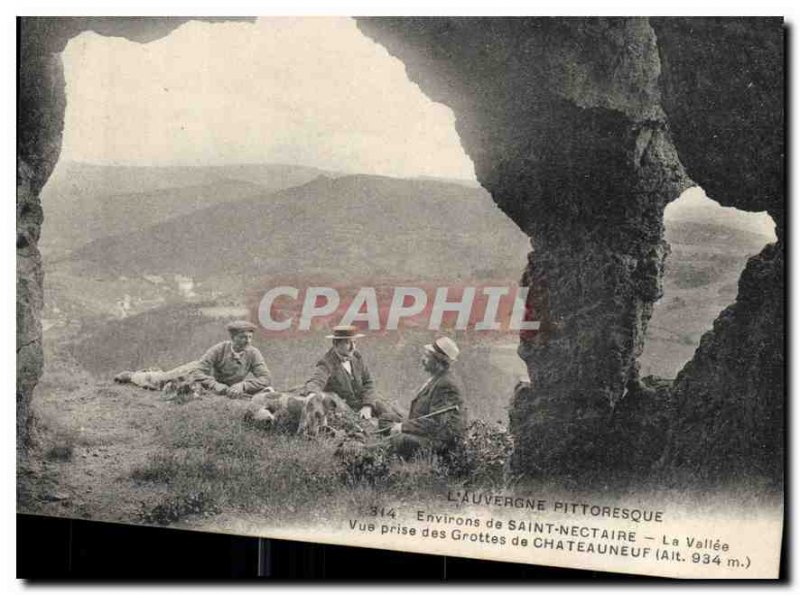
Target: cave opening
[(709, 248), (737, 375), (190, 177)]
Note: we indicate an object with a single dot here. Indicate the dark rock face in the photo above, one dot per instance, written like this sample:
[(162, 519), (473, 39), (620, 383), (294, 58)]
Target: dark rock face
[(39, 126), (570, 124), (722, 88), (562, 120), (730, 396), (40, 121), (722, 83)]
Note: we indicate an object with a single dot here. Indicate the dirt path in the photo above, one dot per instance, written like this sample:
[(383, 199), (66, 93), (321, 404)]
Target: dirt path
[(92, 438)]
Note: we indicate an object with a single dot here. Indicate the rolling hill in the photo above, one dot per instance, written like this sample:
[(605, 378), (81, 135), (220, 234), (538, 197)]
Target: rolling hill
[(700, 280), (84, 202), (348, 227)]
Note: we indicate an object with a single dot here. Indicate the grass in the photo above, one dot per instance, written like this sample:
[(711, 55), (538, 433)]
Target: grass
[(56, 440), (210, 461), (209, 450)]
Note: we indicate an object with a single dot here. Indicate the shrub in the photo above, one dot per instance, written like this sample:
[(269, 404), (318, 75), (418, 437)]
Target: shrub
[(176, 508), (481, 459), (364, 464), (426, 473), (61, 452)]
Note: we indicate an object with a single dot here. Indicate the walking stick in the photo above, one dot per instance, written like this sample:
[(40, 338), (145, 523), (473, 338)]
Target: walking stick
[(433, 414)]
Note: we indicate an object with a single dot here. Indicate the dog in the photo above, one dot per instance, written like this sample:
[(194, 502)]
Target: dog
[(304, 415), (182, 390)]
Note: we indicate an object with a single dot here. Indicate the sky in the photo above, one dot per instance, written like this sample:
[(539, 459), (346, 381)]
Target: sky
[(309, 91), (301, 90), (694, 205)]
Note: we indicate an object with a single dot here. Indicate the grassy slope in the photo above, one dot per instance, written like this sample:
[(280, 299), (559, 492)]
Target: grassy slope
[(120, 453)]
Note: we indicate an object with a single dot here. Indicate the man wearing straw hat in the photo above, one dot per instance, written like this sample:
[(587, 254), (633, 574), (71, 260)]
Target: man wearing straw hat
[(343, 371), (437, 418)]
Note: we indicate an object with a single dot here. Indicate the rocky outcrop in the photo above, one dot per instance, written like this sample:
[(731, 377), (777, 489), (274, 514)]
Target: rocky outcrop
[(722, 84), (571, 124), (729, 398), (563, 122), (723, 91), (40, 121), (39, 125)]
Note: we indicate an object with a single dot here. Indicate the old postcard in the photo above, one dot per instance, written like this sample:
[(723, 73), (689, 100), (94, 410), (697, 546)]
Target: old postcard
[(502, 288)]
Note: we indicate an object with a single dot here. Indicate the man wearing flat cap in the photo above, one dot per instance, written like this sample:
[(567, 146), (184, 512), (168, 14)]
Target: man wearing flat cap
[(235, 368), (441, 391), (342, 370)]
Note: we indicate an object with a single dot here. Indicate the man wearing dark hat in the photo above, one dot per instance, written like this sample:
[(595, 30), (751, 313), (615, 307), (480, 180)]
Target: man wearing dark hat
[(235, 368), (441, 390), (343, 371)]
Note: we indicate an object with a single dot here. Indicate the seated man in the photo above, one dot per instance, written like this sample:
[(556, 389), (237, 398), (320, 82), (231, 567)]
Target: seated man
[(442, 390), (343, 371), (235, 368), (223, 369)]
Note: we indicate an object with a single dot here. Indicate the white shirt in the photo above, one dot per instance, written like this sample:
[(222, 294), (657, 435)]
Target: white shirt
[(424, 386), (348, 367)]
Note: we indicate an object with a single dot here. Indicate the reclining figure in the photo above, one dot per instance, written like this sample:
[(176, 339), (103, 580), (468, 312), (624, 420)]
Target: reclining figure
[(233, 368)]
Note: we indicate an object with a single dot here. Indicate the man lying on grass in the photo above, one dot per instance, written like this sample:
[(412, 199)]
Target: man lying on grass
[(233, 368)]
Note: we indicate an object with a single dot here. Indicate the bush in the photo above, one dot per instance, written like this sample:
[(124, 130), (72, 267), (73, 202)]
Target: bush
[(52, 437), (425, 474), (364, 464), (481, 459), (175, 509), (61, 452)]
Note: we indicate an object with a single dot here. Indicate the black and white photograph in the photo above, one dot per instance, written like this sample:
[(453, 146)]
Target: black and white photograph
[(502, 288)]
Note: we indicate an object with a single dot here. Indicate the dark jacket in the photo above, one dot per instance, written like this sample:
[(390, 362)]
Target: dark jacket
[(331, 377), (440, 392)]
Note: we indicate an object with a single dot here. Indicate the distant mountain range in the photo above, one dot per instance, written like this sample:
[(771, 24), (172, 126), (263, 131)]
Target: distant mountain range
[(351, 227), (718, 237), (693, 206), (84, 202)]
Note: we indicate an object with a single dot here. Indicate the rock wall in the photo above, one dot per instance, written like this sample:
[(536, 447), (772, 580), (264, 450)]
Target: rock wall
[(39, 125), (573, 125), (729, 398), (563, 122), (723, 90), (722, 87), (40, 121)]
